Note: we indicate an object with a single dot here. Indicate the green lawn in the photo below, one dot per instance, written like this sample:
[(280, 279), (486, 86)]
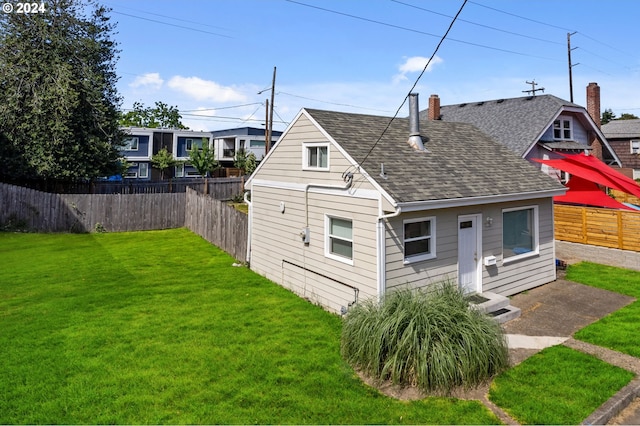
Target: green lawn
[(619, 330), (557, 386), (563, 386), (159, 327)]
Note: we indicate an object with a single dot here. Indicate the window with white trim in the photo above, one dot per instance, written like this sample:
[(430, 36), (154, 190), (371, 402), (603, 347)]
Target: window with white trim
[(132, 173), (339, 239), (419, 236), (316, 156), (192, 144), (131, 143), (180, 170), (519, 232), (563, 129), (635, 146), (143, 170)]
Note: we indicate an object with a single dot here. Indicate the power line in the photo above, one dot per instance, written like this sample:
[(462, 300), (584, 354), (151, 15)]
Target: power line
[(521, 17), (331, 103), (169, 17), (386, 24), (414, 84), (478, 24), (172, 25)]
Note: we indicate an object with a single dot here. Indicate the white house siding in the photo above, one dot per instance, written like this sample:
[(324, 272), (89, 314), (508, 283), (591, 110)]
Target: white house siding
[(502, 278), (277, 250)]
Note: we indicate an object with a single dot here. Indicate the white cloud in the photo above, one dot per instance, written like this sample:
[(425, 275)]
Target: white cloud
[(204, 90), (151, 80), (415, 64)]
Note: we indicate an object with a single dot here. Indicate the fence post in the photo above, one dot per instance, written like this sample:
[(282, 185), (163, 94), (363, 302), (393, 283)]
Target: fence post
[(584, 225), (620, 230)]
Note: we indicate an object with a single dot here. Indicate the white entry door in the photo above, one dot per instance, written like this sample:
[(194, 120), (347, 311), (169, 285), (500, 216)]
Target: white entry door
[(469, 253)]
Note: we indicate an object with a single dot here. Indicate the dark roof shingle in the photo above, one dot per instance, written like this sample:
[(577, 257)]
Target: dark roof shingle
[(461, 161), (514, 122)]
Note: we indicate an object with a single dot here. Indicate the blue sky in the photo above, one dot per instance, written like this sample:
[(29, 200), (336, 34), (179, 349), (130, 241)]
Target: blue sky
[(211, 58)]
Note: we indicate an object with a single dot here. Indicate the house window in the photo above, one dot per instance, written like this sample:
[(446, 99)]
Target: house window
[(316, 156), (635, 146), (339, 239), (519, 233), (132, 173), (419, 239), (192, 144), (131, 144), (254, 144), (563, 129), (143, 170), (180, 170)]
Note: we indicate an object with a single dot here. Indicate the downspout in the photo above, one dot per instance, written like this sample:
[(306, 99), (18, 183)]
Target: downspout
[(246, 200), (382, 252)]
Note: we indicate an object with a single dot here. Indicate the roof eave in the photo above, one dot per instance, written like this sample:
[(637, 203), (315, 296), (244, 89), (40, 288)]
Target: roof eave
[(412, 206)]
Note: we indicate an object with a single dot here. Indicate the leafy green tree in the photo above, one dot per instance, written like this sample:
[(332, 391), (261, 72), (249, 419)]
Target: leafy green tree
[(607, 116), (163, 160), (160, 116), (245, 162), (627, 116), (59, 105), (203, 158)]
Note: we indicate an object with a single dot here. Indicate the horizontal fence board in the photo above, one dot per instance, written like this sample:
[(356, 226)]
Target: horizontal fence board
[(597, 226)]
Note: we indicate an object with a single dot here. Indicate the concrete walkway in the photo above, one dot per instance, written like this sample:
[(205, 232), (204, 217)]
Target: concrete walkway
[(551, 314)]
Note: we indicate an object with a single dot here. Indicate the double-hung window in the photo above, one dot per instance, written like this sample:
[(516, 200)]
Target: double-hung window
[(519, 233), (635, 146), (315, 156), (419, 239), (143, 170), (563, 129), (339, 239)]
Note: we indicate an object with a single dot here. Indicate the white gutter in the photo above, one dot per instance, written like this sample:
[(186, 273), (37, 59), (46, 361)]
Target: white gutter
[(382, 252)]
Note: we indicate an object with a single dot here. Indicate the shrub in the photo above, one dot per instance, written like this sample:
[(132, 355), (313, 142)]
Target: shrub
[(429, 339)]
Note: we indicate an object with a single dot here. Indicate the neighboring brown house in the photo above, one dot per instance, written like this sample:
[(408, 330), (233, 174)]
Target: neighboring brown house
[(624, 138)]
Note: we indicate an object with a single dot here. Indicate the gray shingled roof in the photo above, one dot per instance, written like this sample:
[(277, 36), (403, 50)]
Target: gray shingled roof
[(514, 122), (622, 129), (462, 161)]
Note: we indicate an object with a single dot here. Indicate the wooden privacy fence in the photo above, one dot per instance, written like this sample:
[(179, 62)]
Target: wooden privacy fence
[(220, 188), (623, 197), (596, 226), (212, 219), (217, 223)]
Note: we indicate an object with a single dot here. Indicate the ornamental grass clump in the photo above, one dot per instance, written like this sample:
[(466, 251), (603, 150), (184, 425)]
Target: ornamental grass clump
[(430, 339)]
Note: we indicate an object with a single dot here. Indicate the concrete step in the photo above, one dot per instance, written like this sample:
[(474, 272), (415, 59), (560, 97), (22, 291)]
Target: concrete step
[(488, 301), (505, 314), (495, 305)]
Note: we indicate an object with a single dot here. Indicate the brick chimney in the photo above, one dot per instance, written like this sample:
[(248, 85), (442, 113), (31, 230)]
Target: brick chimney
[(593, 108), (434, 107), (593, 102)]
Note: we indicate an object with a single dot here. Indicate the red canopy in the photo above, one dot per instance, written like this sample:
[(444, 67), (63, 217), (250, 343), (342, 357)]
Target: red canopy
[(587, 171), (584, 192)]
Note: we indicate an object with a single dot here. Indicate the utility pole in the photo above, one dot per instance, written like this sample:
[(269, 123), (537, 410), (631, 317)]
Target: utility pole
[(533, 88), (569, 49), (273, 89)]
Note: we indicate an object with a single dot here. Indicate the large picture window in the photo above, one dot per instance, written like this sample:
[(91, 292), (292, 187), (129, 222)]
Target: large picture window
[(519, 233), (339, 242), (419, 239), (316, 156), (131, 143)]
